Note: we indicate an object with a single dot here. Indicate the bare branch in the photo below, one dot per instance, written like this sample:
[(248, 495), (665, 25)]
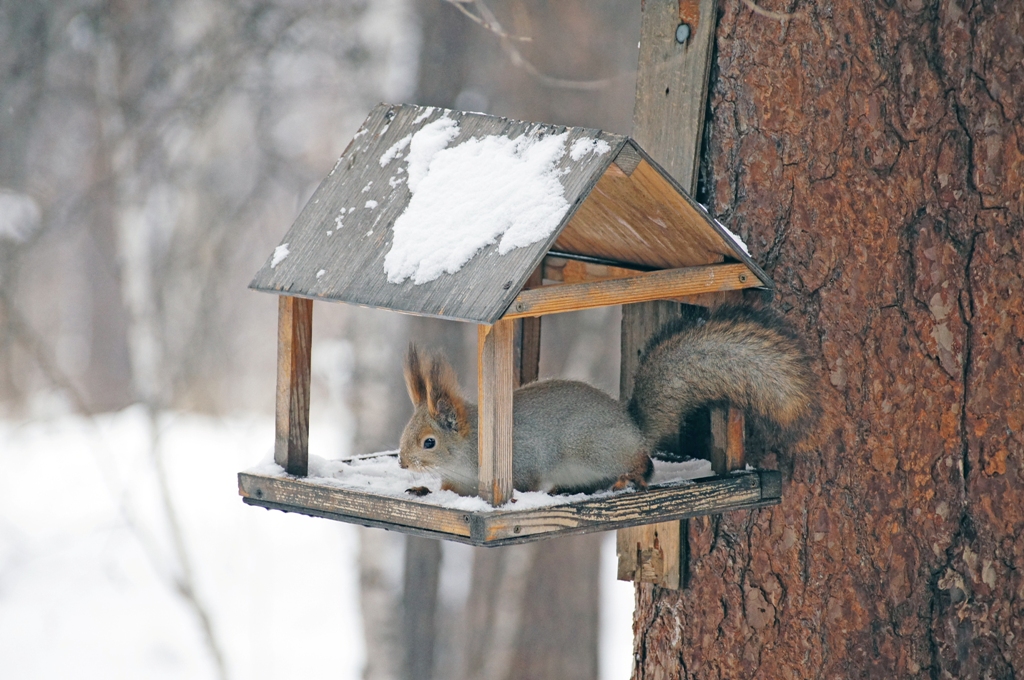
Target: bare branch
[(185, 582), (780, 16), (492, 27), (35, 345), (518, 60)]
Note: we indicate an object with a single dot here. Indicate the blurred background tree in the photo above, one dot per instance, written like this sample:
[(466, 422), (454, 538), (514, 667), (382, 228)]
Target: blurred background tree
[(153, 153)]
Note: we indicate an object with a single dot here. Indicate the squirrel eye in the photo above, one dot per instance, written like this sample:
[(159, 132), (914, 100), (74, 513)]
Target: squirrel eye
[(429, 443)]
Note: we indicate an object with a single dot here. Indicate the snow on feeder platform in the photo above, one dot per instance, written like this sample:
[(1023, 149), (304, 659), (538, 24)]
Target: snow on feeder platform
[(497, 222)]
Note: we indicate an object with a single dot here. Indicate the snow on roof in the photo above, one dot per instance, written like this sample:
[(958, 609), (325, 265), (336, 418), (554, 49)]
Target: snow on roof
[(465, 197)]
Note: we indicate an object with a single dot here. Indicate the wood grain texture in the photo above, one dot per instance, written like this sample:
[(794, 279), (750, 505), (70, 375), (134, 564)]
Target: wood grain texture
[(748, 296), (294, 346), (628, 159), (668, 122), (527, 350), (302, 493), (563, 270), (497, 375), (656, 503), (351, 256), (527, 340), (672, 87), (640, 219), (504, 527), (654, 554), (727, 452), (696, 212), (643, 287)]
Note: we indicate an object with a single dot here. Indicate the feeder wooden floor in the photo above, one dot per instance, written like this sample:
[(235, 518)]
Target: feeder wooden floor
[(500, 526)]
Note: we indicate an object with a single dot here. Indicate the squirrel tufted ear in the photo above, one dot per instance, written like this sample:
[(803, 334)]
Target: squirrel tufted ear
[(415, 379), (444, 402)]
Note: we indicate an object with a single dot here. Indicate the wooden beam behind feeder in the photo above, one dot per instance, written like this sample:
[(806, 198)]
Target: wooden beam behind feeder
[(388, 228)]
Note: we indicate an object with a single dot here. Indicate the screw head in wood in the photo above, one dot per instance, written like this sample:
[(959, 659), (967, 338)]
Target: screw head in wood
[(515, 530), (743, 278), (682, 33)]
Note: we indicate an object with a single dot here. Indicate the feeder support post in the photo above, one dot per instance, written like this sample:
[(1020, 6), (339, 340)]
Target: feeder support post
[(496, 381), (294, 344)]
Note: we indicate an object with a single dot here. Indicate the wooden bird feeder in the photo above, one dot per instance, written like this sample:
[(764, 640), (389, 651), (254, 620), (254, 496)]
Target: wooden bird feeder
[(628, 233)]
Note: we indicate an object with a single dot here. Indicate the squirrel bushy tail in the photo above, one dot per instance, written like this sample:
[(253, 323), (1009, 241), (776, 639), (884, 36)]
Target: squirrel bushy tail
[(746, 357)]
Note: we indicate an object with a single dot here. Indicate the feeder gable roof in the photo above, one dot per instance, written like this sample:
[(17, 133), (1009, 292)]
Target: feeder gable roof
[(490, 197)]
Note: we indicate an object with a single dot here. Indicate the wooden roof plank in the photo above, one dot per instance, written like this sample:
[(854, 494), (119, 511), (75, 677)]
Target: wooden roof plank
[(346, 262), (732, 248), (637, 218)]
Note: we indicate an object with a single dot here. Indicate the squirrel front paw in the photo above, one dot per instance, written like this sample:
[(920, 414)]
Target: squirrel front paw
[(625, 481), (418, 491)]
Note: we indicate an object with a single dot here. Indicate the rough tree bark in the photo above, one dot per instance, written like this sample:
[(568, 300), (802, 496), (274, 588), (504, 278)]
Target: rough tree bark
[(872, 156)]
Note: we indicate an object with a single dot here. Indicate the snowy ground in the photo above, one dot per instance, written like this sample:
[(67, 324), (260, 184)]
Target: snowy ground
[(87, 563)]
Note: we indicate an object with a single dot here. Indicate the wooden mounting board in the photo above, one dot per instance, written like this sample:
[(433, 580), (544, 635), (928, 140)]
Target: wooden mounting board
[(708, 496)]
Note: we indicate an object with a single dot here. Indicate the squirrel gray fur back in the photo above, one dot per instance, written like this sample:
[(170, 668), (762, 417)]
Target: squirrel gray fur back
[(570, 436), (738, 355), (573, 437)]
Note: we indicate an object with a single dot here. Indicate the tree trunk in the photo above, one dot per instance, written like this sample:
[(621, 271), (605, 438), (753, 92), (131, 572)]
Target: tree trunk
[(423, 631), (381, 410), (872, 157), (530, 612), (558, 630), (533, 609)]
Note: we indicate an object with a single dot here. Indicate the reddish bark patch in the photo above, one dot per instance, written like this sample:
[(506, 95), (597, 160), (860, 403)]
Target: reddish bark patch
[(872, 156)]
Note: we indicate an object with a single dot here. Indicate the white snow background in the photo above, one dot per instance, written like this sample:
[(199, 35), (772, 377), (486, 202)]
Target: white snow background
[(84, 595)]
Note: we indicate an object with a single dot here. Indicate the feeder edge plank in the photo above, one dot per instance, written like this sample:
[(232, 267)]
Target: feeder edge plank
[(361, 521), (297, 493), (467, 540), (715, 495), (674, 502)]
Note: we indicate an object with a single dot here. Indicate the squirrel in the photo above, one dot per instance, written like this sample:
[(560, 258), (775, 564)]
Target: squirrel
[(570, 437)]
